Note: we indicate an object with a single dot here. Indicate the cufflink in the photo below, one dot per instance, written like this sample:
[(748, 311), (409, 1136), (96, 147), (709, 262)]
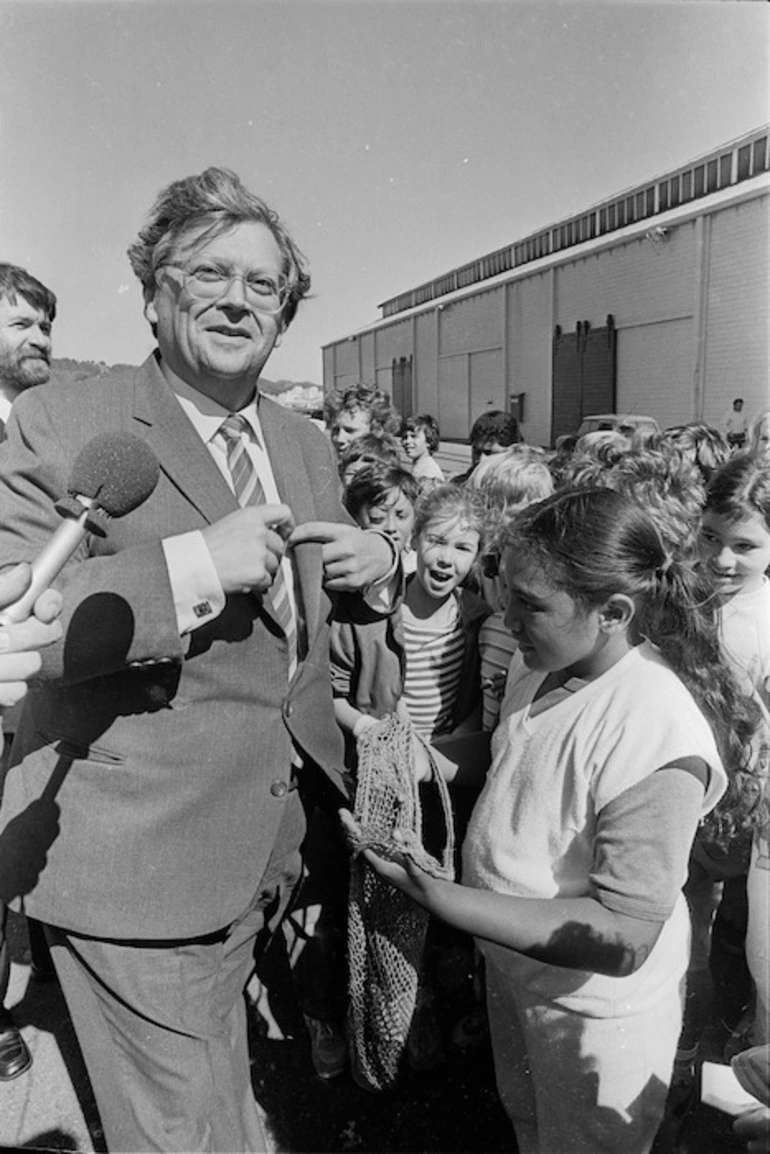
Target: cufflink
[(202, 609)]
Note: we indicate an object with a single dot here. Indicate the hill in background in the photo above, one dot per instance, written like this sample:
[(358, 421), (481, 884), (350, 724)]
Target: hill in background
[(304, 396)]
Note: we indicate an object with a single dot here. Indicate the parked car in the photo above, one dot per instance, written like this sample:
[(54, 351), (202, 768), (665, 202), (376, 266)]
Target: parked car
[(627, 423)]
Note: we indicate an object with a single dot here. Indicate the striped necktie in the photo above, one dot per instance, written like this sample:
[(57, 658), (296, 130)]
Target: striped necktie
[(248, 491)]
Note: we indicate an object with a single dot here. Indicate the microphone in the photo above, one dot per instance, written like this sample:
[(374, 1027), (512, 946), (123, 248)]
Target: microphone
[(112, 475)]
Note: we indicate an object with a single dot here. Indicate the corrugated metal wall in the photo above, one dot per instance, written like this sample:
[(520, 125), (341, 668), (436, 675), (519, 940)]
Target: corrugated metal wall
[(690, 302), (737, 347), (655, 370)]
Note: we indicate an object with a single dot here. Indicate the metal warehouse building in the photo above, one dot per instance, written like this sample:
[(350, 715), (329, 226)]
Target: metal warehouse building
[(654, 301)]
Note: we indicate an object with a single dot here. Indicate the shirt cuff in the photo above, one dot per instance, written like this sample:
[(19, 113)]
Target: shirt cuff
[(381, 595), (195, 584)]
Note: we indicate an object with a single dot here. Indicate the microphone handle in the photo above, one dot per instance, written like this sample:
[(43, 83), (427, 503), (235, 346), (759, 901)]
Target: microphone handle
[(48, 564)]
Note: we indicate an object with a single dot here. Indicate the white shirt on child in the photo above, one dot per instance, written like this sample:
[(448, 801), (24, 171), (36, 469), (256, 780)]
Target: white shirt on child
[(744, 623), (427, 468), (532, 830)]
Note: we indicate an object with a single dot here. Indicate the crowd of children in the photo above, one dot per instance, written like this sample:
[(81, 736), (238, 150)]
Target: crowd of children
[(602, 613)]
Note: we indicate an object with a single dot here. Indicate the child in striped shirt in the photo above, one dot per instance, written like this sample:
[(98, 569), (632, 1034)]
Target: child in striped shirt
[(422, 659), (422, 662)]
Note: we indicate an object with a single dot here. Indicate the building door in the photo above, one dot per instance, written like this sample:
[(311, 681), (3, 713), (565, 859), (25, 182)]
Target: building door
[(584, 375), (401, 394)]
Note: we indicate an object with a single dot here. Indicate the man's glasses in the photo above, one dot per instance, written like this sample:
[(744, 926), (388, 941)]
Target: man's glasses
[(208, 282)]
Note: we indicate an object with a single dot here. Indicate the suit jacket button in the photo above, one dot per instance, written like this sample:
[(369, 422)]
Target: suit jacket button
[(279, 789)]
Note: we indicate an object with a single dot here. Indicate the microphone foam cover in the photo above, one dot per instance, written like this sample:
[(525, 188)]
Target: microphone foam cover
[(116, 470)]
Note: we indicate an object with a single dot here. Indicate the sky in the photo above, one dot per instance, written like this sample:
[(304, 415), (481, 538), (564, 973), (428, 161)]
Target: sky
[(396, 138)]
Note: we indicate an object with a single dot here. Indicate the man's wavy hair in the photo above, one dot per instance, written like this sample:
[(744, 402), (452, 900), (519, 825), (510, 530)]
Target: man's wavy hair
[(219, 200), (16, 282)]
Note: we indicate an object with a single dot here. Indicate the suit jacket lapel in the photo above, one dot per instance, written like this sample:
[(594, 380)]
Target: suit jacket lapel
[(181, 452), (295, 486)]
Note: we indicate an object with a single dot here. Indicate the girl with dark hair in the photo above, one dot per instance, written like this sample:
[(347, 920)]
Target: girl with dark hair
[(619, 731), (734, 544)]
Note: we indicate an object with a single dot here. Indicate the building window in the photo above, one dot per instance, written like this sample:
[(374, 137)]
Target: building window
[(621, 209), (698, 181), (686, 186), (650, 207), (760, 155), (674, 190), (712, 176), (725, 170), (744, 162), (663, 196)]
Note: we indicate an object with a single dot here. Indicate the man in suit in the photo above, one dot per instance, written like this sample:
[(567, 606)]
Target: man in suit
[(27, 312), (150, 816)]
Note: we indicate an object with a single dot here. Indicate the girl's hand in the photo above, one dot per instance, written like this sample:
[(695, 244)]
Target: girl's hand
[(400, 872), (423, 767), (401, 711)]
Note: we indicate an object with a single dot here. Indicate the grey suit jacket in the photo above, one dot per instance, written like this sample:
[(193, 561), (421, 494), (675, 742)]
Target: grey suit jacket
[(147, 780)]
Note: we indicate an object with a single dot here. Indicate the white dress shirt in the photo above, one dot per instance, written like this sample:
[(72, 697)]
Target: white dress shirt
[(198, 593)]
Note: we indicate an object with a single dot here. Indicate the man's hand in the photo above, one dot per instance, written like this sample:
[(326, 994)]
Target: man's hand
[(352, 559), (19, 659), (754, 1128), (247, 546), (752, 1069)]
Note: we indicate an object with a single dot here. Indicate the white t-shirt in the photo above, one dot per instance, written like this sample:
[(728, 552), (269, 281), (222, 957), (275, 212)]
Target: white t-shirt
[(532, 831), (427, 468), (736, 422)]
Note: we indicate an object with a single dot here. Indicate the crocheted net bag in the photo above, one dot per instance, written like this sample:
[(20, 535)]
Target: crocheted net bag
[(386, 929)]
